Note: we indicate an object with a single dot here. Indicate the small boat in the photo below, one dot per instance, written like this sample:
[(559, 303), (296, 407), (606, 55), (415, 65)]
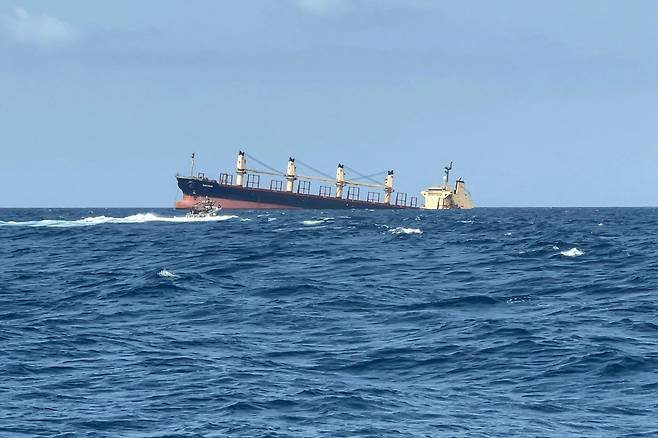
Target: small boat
[(205, 208)]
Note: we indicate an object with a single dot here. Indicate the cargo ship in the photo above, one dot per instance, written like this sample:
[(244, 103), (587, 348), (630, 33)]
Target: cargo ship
[(293, 190)]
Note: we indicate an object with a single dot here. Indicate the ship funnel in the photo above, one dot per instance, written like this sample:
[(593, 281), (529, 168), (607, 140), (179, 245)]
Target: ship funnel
[(241, 168), (459, 186), (340, 180), (388, 187), (291, 174)]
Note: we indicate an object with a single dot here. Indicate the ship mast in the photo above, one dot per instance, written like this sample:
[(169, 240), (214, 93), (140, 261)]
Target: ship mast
[(193, 164), (447, 170), (388, 187), (241, 168)]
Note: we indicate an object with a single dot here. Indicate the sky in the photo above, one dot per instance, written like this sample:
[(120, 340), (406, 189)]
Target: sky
[(549, 103)]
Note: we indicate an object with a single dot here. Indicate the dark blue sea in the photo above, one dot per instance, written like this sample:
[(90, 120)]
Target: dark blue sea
[(481, 323)]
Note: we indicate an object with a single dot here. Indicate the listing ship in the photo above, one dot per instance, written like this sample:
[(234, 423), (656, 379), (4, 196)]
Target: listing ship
[(336, 193)]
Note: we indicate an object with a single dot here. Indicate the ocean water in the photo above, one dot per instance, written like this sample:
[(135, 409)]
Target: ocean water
[(490, 322)]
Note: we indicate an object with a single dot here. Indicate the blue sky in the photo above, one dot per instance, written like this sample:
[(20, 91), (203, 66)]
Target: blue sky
[(537, 103)]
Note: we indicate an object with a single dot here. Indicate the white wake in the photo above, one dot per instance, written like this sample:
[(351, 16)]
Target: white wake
[(139, 218)]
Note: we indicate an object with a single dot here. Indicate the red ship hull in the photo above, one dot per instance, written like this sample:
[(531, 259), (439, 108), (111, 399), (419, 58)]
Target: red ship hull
[(189, 201)]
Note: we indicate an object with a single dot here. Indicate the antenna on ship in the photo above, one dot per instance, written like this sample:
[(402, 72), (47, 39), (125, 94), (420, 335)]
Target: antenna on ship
[(193, 164), (447, 170)]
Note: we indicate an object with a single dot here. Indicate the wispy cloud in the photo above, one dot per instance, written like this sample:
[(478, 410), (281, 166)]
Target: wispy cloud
[(38, 29), (326, 8)]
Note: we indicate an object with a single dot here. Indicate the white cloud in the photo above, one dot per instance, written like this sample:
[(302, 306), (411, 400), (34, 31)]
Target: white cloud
[(39, 30), (324, 7)]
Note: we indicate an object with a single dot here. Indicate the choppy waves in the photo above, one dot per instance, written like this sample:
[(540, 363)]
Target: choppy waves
[(492, 322)]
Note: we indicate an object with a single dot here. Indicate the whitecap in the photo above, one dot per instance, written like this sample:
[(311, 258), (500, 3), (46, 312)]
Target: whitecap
[(270, 219), (167, 274), (573, 252), (508, 234), (139, 218), (404, 230), (312, 222), (317, 221), (555, 247)]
